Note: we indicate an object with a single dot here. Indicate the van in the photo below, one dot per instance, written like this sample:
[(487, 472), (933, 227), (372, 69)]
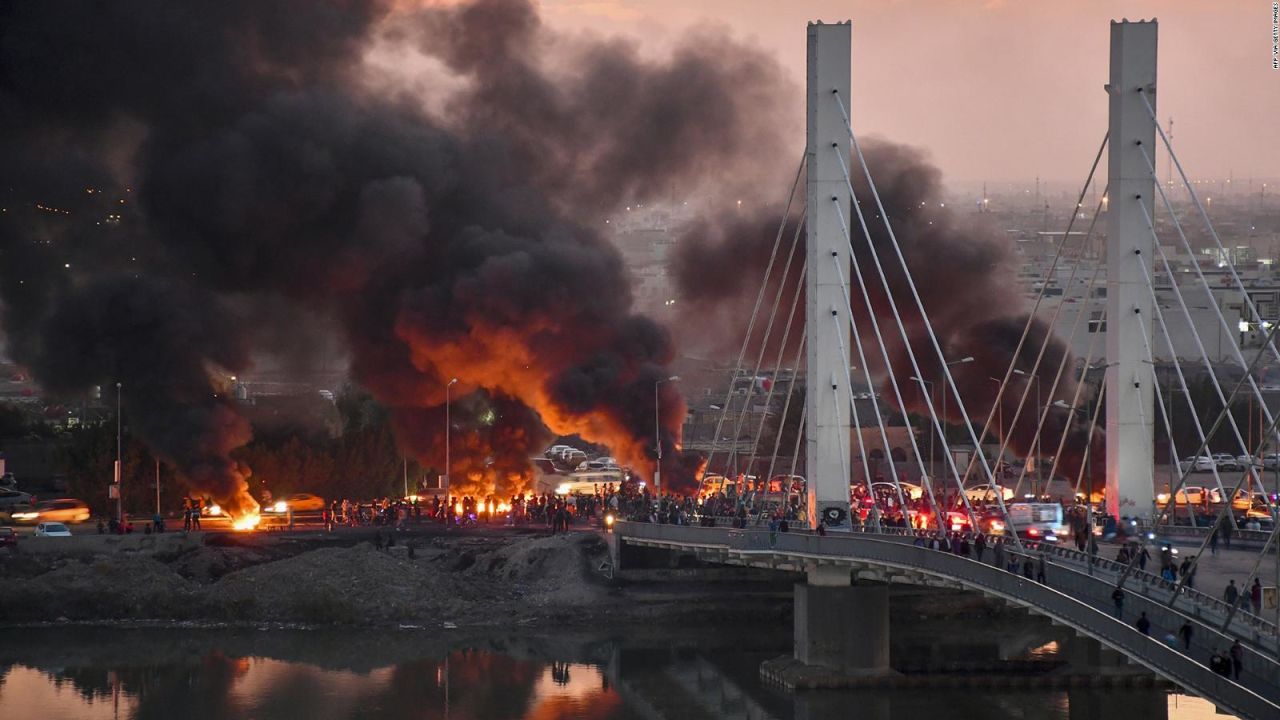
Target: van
[(1037, 520)]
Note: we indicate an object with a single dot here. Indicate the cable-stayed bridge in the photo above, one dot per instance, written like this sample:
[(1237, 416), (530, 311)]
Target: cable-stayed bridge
[(865, 322)]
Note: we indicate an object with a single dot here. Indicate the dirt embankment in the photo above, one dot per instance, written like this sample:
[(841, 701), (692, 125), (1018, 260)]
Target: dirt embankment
[(494, 578)]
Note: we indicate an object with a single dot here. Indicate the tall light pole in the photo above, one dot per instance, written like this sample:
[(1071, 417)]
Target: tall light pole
[(943, 420), (657, 435), (945, 426), (999, 417), (446, 443), (119, 468), (1036, 476)]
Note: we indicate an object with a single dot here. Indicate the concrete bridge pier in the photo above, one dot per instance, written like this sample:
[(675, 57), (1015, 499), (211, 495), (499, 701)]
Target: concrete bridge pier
[(841, 626)]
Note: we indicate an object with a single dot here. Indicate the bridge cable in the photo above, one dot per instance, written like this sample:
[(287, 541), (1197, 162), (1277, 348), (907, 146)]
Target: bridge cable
[(1183, 386), (764, 344), (782, 346), (1148, 332), (856, 340), (1091, 547), (1034, 372), (853, 402), (946, 371), (1239, 356), (746, 340), (1228, 500), (1032, 314), (1213, 233), (925, 480), (1217, 385), (1043, 413), (782, 423), (1074, 407)]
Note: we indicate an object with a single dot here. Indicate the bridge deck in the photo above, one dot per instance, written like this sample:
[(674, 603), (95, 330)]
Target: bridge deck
[(1070, 596)]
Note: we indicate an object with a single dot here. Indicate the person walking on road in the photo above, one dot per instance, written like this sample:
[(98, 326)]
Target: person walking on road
[(1236, 653), (1143, 624)]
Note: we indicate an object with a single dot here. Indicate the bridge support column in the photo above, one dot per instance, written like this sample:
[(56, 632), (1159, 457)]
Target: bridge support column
[(842, 626), (1130, 409)]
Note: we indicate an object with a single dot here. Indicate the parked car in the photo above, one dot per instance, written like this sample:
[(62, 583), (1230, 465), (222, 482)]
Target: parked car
[(65, 510), (304, 502), (1201, 463), (8, 537), (52, 529), (1228, 462), (1246, 461)]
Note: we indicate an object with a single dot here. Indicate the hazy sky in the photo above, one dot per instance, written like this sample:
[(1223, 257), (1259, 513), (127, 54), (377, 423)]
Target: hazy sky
[(1001, 90)]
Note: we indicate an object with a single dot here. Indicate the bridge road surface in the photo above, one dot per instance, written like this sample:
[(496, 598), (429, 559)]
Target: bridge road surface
[(1071, 597)]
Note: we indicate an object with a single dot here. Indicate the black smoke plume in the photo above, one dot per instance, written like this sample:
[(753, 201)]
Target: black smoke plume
[(175, 174), (961, 271)]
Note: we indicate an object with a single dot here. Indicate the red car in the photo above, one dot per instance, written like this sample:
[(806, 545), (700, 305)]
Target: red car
[(8, 537)]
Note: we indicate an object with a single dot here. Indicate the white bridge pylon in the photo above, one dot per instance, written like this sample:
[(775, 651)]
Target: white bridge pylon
[(1130, 251), (828, 395)]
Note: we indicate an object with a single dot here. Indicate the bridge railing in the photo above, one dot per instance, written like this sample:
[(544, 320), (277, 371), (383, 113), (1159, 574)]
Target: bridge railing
[(1076, 599), (1244, 624)]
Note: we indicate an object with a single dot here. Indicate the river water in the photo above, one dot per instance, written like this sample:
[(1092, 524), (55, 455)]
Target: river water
[(77, 673)]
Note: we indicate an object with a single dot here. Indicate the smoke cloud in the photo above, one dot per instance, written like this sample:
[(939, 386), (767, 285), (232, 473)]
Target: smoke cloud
[(177, 179), (962, 272)]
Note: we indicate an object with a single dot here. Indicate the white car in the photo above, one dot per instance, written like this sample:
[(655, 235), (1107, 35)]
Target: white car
[(1228, 462), (987, 493), (52, 529), (1245, 461), (1201, 463)]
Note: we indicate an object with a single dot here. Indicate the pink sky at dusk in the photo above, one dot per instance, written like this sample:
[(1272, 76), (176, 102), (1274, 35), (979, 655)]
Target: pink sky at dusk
[(1005, 91)]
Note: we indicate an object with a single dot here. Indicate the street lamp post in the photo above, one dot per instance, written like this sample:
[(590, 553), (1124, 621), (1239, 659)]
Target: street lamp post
[(119, 458), (1035, 478), (448, 510), (999, 418), (657, 436), (943, 419)]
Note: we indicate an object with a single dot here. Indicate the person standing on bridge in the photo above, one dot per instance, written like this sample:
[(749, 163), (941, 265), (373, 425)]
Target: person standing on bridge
[(1041, 562), (1231, 594), (998, 560), (1228, 526), (979, 546), (1255, 596), (1117, 597)]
